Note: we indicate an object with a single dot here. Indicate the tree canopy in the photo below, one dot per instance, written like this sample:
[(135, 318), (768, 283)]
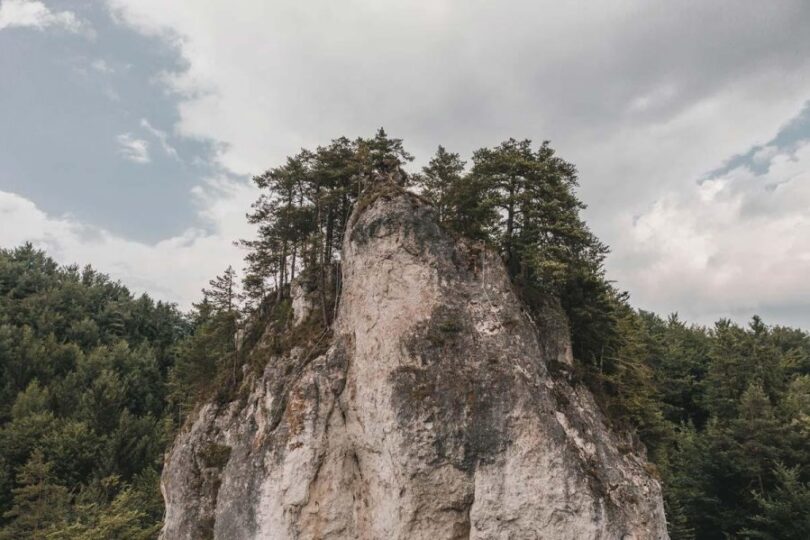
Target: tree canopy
[(83, 409)]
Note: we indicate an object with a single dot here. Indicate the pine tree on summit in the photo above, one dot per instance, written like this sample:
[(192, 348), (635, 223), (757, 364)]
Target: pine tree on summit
[(538, 226), (440, 181), (383, 157)]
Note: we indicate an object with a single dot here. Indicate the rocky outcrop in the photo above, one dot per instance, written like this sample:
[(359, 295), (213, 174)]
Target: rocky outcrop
[(438, 411)]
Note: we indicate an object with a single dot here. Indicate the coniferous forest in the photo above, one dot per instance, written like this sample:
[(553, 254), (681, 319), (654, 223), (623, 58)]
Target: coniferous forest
[(96, 381)]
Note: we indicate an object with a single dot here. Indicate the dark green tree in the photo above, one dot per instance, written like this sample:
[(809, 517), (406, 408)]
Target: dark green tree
[(382, 156), (40, 505), (223, 293), (440, 180), (83, 368), (784, 512)]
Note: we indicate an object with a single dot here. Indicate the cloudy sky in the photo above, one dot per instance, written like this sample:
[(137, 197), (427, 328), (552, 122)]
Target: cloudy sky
[(129, 128)]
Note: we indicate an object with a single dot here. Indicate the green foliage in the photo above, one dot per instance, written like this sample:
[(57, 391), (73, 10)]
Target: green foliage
[(34, 400), (207, 360), (522, 201), (381, 155), (738, 450), (303, 211), (83, 371), (783, 514), (39, 504), (442, 181), (110, 509), (627, 387)]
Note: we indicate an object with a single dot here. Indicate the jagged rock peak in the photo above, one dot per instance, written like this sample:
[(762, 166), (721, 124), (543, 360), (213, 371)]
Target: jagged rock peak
[(434, 413)]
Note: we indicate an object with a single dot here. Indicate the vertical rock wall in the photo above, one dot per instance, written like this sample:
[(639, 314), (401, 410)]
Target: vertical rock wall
[(434, 414)]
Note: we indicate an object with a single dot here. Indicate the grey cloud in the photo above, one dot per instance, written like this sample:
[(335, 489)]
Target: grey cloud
[(647, 98)]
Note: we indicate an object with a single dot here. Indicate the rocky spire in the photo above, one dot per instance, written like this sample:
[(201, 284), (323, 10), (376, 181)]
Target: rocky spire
[(438, 410)]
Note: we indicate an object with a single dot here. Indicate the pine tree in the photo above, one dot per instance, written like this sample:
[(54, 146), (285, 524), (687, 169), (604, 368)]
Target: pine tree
[(440, 180), (506, 171), (285, 215), (108, 509), (383, 157), (630, 387), (784, 512), (223, 294), (546, 246), (34, 400), (39, 503)]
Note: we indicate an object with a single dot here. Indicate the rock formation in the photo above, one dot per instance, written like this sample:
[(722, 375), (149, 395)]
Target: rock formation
[(439, 410)]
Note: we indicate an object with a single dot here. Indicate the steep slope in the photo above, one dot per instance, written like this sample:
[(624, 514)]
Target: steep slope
[(440, 410)]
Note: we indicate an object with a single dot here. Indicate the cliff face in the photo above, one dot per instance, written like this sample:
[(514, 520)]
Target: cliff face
[(435, 413)]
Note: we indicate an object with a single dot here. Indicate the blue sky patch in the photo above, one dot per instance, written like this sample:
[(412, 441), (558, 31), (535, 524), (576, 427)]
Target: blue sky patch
[(94, 105)]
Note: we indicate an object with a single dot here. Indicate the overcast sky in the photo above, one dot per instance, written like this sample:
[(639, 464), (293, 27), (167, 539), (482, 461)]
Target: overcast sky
[(129, 128)]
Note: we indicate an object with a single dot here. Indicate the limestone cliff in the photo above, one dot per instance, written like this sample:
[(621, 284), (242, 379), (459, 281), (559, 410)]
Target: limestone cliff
[(438, 411)]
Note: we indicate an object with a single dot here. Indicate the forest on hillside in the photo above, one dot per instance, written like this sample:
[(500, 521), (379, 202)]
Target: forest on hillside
[(96, 381)]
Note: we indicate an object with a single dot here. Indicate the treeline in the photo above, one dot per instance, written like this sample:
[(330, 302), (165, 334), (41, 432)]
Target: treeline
[(83, 425), (728, 425)]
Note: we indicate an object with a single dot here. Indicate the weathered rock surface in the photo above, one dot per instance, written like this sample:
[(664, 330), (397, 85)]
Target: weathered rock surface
[(435, 414)]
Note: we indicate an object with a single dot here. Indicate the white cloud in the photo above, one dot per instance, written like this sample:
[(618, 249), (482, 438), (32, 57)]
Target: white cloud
[(101, 66), (645, 97), (736, 244), (162, 138), (270, 77), (174, 269), (33, 14), (133, 149)]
